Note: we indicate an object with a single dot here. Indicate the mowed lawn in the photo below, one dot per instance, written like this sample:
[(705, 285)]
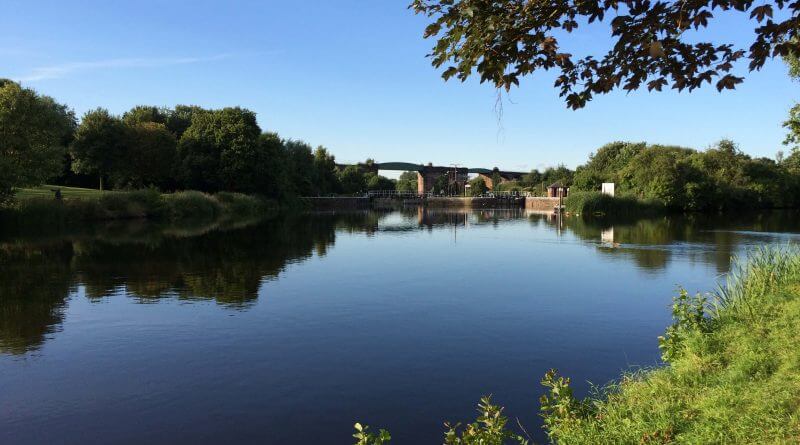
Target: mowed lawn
[(46, 191)]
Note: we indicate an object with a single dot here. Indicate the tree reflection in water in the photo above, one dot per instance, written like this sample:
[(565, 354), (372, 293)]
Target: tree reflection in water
[(148, 262), (227, 264)]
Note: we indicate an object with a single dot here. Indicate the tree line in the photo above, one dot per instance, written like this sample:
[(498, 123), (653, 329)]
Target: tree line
[(721, 177), (181, 148), (212, 150)]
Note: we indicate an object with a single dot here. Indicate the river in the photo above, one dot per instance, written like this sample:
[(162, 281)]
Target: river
[(290, 330)]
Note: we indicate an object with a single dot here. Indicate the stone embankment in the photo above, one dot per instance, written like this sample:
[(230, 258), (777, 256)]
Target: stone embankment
[(537, 204), (541, 204)]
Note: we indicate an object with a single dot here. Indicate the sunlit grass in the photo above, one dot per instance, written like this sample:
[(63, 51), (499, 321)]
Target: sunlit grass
[(47, 191), (736, 380)]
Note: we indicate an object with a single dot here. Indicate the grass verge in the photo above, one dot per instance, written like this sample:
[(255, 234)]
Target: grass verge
[(37, 211)]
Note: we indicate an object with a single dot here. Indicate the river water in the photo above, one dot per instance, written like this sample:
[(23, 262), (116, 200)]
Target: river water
[(290, 330)]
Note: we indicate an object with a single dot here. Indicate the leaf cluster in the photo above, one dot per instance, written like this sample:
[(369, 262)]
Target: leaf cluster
[(652, 45)]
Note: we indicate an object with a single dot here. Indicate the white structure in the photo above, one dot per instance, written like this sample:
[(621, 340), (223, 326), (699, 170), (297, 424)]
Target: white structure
[(608, 188)]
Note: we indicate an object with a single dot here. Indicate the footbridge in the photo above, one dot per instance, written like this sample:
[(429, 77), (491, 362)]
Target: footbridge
[(428, 174)]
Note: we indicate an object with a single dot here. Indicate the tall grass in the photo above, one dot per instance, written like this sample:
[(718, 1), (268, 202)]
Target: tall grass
[(733, 373), (599, 204), (44, 213), (759, 273)]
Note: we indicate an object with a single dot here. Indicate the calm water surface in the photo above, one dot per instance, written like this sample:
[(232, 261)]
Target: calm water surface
[(290, 330)]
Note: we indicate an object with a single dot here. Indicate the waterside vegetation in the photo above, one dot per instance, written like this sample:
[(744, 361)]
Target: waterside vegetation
[(732, 374), (82, 206)]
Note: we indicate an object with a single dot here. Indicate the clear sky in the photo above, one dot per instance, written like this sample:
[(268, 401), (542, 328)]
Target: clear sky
[(353, 76)]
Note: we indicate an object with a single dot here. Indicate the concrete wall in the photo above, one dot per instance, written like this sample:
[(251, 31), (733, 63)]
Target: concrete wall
[(540, 204), (338, 203), (454, 202)]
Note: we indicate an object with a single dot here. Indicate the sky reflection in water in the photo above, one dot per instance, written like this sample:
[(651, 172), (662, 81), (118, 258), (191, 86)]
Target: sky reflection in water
[(290, 330)]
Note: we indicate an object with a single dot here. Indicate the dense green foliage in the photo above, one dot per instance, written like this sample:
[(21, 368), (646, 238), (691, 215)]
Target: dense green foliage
[(733, 374), (537, 181), (191, 148), (719, 178), (407, 182), (792, 124), (151, 160), (181, 148), (477, 186), (652, 43), (34, 132), (100, 146), (596, 203), (375, 181)]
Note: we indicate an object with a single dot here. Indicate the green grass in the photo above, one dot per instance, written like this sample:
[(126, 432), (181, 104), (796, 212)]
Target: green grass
[(36, 208), (46, 191), (599, 204), (733, 374)]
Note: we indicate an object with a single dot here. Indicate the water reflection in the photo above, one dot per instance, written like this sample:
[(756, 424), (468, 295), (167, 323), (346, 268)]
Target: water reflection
[(653, 243), (147, 263), (228, 265)]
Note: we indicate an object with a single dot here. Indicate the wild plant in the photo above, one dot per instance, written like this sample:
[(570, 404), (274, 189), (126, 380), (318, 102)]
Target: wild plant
[(689, 313), (559, 405), (488, 429), (364, 437)]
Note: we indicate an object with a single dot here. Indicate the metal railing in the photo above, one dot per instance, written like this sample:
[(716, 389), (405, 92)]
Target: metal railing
[(396, 194), (417, 195)]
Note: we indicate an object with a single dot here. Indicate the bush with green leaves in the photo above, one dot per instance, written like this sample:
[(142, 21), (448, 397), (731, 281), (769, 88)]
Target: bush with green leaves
[(490, 428), (365, 437)]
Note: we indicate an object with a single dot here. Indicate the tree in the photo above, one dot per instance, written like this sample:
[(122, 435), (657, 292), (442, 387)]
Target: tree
[(180, 118), (605, 164), (792, 125), (657, 173), (327, 181), (218, 150), (150, 158), (407, 182), (100, 144), (560, 174), (352, 180), (34, 130), (273, 177), (652, 43), (477, 186), (145, 113), (496, 179), (374, 181), (302, 173), (441, 184)]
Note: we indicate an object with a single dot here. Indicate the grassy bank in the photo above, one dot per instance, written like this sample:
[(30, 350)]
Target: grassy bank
[(732, 374), (38, 208), (599, 204)]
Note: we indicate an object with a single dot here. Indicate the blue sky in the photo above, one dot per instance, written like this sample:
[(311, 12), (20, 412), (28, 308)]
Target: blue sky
[(352, 76)]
